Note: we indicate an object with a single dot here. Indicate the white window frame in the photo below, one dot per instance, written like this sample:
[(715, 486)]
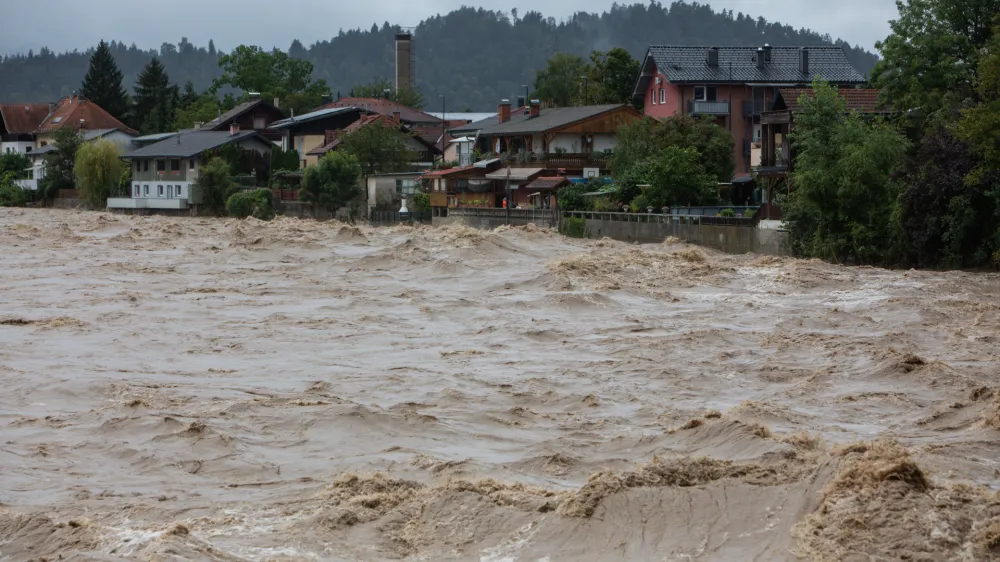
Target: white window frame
[(137, 190), (159, 190), (663, 96), (145, 190), (654, 95), (704, 93)]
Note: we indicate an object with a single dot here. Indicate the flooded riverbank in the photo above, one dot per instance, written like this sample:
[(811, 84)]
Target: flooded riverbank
[(180, 388)]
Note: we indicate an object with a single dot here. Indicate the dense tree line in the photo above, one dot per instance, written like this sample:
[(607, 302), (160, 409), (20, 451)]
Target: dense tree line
[(474, 56), (923, 187)]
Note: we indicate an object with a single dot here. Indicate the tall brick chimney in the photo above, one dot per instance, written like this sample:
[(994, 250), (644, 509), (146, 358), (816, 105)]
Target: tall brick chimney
[(503, 111), (536, 108), (404, 58)]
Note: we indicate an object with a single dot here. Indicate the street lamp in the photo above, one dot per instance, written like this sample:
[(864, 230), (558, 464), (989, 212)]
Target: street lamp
[(526, 94)]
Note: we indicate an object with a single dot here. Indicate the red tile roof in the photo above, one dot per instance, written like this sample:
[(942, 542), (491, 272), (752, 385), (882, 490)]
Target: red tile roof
[(70, 111), (863, 100), (386, 107), (23, 119)]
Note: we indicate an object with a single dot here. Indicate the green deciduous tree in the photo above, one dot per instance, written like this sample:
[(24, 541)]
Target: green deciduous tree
[(216, 185), (379, 148), (273, 74), (332, 182), (560, 82), (929, 61), (611, 77), (203, 110), (14, 162), (103, 83), (843, 207), (11, 194), (641, 143), (59, 163), (678, 178), (98, 170), (979, 126), (155, 103), (384, 88)]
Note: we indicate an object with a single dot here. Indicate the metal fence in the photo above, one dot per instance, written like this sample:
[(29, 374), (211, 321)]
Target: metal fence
[(394, 217), (664, 219)]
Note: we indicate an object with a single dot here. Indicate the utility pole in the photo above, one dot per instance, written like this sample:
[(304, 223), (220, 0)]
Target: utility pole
[(586, 91), (444, 125)]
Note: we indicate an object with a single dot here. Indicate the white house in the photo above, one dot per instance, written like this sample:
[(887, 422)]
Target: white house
[(163, 173)]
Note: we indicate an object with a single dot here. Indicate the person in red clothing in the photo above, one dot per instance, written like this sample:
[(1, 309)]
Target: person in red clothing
[(504, 202)]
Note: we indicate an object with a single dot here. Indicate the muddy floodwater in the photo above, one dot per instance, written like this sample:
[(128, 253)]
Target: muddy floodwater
[(201, 389)]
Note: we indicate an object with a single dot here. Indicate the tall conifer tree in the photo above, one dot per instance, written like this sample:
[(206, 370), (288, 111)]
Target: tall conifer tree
[(154, 99), (103, 83)]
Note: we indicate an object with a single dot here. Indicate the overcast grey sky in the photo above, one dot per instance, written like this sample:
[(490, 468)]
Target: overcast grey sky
[(78, 24)]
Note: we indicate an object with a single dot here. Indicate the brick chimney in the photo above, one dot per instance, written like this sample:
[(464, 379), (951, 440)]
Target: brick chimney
[(761, 64), (503, 111), (234, 129), (397, 117), (536, 108), (804, 61)]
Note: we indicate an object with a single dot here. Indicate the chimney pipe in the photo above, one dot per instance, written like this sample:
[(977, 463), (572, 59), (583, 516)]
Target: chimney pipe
[(234, 129), (503, 111), (404, 70), (535, 109), (760, 58), (52, 108), (767, 52), (804, 61), (277, 102)]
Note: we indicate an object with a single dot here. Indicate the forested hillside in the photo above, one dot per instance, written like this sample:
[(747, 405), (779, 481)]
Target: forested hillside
[(474, 56)]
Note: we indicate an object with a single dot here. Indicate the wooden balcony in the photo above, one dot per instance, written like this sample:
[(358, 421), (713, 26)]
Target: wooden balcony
[(569, 161)]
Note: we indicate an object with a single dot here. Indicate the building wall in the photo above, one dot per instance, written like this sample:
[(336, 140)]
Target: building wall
[(161, 190), (605, 142), (140, 173), (20, 147), (729, 239), (740, 126), (304, 144)]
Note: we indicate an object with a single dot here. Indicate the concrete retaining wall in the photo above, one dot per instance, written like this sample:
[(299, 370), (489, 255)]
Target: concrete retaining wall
[(729, 239)]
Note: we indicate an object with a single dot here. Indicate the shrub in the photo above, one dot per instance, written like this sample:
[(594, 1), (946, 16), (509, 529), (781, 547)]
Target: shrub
[(727, 213), (421, 202), (216, 185), (11, 194), (749, 213), (98, 170), (570, 198), (574, 227), (256, 203)]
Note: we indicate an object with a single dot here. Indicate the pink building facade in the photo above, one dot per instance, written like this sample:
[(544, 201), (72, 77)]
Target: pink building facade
[(734, 85)]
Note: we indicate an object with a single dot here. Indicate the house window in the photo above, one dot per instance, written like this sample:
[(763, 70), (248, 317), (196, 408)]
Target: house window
[(160, 192), (258, 123), (654, 96), (135, 190), (407, 187), (44, 143), (699, 93), (711, 93), (191, 164), (180, 189), (175, 165), (663, 95), (161, 165), (145, 165), (756, 133), (27, 149), (145, 190)]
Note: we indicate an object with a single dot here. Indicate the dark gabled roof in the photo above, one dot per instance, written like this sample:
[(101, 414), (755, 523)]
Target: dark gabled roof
[(314, 116), (548, 183), (23, 118), (188, 145), (862, 100), (223, 121), (407, 114), (690, 64), (549, 119)]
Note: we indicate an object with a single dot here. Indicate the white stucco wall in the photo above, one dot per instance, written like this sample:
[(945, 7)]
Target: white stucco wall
[(19, 147), (568, 142), (604, 142)]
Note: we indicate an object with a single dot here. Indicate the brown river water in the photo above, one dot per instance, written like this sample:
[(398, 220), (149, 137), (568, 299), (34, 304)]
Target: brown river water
[(199, 389)]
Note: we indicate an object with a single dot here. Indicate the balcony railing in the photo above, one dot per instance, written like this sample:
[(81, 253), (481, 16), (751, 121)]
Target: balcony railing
[(708, 107)]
